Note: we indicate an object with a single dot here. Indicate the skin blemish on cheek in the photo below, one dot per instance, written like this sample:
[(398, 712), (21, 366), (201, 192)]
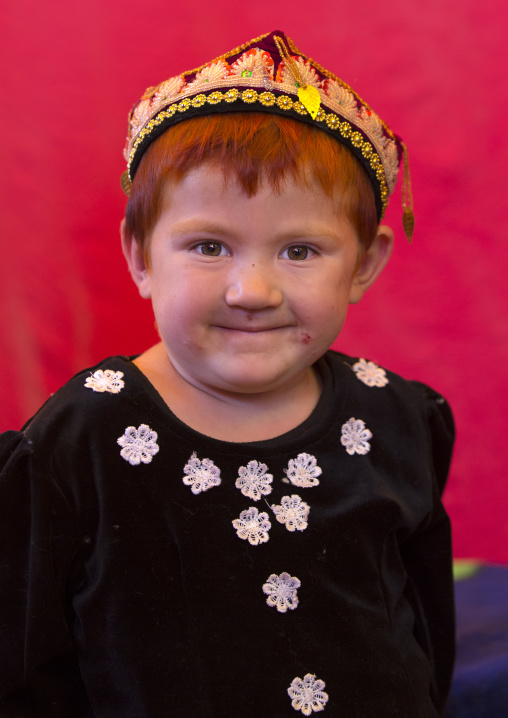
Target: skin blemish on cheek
[(305, 338)]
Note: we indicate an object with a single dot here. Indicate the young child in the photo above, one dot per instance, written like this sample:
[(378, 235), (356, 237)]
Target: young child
[(238, 522)]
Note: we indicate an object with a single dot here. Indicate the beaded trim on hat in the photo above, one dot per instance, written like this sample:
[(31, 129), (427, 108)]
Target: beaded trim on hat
[(264, 75)]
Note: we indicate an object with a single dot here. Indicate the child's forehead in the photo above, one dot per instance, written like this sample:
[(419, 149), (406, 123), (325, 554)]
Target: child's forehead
[(213, 180), (208, 199)]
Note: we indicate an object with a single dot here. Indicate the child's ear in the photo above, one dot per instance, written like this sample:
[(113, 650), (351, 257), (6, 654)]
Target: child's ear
[(373, 262), (136, 262)]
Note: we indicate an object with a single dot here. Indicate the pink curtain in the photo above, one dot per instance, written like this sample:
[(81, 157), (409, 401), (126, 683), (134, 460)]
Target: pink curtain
[(435, 73)]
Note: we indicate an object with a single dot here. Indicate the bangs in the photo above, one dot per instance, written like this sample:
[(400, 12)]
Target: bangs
[(251, 148)]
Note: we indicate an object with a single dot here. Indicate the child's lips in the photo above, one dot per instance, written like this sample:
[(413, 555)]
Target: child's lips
[(250, 329)]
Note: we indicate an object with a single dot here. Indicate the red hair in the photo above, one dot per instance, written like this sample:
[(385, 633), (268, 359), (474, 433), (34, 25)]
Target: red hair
[(250, 148)]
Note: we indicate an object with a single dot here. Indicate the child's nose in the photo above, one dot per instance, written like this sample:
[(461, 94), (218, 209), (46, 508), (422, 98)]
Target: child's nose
[(253, 287)]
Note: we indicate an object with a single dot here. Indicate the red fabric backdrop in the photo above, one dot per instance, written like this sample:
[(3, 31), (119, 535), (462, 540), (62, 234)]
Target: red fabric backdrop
[(435, 72)]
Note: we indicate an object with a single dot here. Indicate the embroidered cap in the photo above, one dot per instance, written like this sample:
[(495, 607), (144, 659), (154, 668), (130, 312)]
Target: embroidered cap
[(269, 74)]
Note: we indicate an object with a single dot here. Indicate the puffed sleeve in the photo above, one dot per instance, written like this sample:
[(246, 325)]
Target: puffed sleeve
[(427, 556), (38, 540)]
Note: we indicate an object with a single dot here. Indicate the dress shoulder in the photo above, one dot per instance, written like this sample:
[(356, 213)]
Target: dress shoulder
[(441, 426), (88, 398), (62, 446), (9, 442), (406, 404)]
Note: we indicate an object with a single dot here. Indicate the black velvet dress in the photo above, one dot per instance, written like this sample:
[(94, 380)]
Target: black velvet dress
[(148, 571)]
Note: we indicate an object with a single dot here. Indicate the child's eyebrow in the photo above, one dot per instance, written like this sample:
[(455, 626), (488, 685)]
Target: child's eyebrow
[(191, 226), (188, 226), (311, 233)]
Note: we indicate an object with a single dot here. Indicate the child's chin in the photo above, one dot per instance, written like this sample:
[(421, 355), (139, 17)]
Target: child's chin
[(249, 385), (256, 380)]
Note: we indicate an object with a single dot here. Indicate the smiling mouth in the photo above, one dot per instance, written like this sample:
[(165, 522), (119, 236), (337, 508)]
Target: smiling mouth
[(251, 330)]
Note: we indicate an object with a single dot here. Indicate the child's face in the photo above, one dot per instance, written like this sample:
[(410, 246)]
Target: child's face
[(249, 292)]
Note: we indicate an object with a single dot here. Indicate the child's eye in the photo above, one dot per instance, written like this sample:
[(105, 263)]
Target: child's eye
[(211, 249), (297, 253)]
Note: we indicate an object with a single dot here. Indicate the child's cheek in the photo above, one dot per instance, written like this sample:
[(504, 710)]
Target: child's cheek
[(192, 344)]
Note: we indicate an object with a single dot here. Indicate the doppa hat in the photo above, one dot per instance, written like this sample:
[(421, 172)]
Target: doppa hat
[(269, 74)]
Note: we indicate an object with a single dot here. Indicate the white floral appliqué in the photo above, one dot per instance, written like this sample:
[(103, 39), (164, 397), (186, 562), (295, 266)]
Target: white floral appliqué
[(169, 89), (293, 512), (142, 113), (253, 63), (303, 471), (200, 474), (212, 73), (308, 695), (281, 591), (253, 481), (371, 374), (355, 437), (339, 97), (107, 380), (308, 74), (253, 526), (139, 445)]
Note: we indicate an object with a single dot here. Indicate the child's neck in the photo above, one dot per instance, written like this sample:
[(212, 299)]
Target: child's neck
[(226, 416)]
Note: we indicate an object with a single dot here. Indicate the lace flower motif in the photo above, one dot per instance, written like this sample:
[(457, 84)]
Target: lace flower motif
[(253, 481), (142, 113), (308, 695), (293, 512), (355, 437), (212, 73), (169, 89), (139, 445), (373, 126), (253, 63), (371, 374), (281, 591), (303, 471), (107, 380), (339, 96), (391, 163), (200, 475), (253, 526), (307, 73)]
